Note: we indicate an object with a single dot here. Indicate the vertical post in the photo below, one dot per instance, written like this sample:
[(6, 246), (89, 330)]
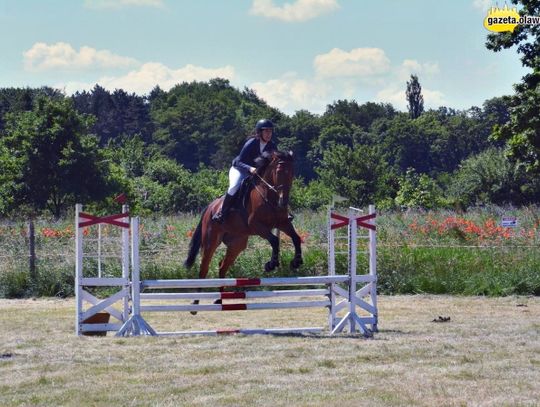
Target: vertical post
[(32, 252), (78, 270), (135, 272), (373, 266), (353, 226), (135, 325), (125, 263), (331, 271), (99, 251)]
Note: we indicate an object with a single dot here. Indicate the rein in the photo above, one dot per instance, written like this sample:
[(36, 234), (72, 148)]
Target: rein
[(266, 183), (271, 187)]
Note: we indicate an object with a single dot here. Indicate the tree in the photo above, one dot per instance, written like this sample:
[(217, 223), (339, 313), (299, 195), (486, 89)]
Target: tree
[(304, 128), (15, 100), (490, 177), (419, 191), (347, 113), (406, 143), (415, 99), (357, 173), (116, 114), (51, 159), (522, 132)]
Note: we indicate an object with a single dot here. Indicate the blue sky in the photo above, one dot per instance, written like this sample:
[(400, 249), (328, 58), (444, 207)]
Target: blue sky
[(296, 54)]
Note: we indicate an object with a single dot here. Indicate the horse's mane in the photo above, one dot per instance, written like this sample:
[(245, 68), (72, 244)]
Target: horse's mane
[(262, 161)]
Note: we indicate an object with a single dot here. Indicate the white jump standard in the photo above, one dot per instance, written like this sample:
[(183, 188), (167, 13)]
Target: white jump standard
[(82, 296), (351, 293)]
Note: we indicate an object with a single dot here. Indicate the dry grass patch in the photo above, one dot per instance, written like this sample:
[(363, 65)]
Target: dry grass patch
[(487, 354)]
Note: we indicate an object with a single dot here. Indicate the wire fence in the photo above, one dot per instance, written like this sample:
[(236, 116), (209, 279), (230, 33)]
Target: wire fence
[(166, 239)]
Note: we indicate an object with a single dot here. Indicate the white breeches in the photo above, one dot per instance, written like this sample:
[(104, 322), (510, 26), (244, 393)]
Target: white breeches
[(235, 179)]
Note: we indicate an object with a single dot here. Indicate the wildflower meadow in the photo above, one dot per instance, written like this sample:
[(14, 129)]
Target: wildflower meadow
[(439, 252)]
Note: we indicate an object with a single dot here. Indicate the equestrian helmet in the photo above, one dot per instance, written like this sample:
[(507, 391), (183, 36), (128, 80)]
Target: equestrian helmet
[(264, 124)]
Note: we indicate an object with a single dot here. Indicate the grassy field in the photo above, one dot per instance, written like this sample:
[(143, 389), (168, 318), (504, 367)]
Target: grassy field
[(487, 354)]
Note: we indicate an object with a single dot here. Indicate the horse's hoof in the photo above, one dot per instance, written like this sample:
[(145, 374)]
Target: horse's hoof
[(218, 301), (296, 262), (196, 302), (271, 265)]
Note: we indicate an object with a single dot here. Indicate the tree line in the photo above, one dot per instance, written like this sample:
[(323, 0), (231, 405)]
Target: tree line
[(169, 151)]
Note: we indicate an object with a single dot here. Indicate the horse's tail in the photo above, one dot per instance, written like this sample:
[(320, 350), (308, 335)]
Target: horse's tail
[(195, 243)]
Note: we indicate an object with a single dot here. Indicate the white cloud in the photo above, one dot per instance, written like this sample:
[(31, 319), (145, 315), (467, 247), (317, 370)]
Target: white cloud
[(483, 5), (299, 10), (115, 4), (290, 93), (434, 98), (396, 83), (61, 55), (412, 67), (396, 96), (359, 62), (361, 74), (144, 79)]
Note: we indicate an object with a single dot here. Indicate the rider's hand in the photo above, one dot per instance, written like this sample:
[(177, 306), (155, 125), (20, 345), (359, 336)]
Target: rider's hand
[(253, 170)]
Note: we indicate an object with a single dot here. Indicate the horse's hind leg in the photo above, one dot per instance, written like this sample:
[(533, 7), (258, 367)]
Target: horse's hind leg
[(210, 243), (235, 246)]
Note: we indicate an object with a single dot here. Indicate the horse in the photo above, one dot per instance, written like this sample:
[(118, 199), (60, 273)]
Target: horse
[(265, 210)]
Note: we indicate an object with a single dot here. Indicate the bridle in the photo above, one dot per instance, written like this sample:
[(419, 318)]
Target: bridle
[(276, 188), (267, 184)]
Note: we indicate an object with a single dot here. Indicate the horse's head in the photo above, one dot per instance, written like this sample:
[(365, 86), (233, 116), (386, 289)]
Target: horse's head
[(278, 171)]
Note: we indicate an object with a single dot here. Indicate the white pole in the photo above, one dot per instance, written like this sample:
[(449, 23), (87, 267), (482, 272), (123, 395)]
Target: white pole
[(125, 264), (99, 251), (135, 325), (352, 270), (373, 266), (331, 271), (135, 272), (78, 270)]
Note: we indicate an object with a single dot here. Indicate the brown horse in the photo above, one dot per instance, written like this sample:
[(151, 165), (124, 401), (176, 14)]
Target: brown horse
[(266, 210)]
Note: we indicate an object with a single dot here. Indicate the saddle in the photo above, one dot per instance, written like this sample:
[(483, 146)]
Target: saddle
[(241, 198)]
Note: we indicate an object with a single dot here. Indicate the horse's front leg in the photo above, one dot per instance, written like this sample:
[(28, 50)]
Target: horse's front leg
[(266, 233), (274, 260), (289, 230)]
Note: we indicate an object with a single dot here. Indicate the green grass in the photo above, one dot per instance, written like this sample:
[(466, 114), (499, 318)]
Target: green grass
[(418, 252), (453, 270), (487, 354)]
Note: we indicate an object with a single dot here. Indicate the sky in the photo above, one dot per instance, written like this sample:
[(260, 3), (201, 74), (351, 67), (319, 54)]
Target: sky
[(295, 54)]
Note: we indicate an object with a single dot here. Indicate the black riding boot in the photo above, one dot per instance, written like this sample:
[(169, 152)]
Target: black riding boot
[(225, 208)]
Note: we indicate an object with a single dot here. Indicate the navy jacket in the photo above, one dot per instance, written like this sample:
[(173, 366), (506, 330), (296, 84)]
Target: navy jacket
[(248, 154)]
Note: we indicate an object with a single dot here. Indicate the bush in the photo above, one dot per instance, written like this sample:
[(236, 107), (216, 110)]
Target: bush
[(314, 195), (419, 191)]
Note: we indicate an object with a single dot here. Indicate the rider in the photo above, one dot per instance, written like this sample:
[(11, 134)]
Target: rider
[(244, 164)]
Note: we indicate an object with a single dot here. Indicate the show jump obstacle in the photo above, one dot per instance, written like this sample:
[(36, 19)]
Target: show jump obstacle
[(351, 299), (83, 222)]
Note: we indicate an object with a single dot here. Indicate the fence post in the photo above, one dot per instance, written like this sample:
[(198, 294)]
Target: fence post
[(32, 252), (373, 267), (78, 269)]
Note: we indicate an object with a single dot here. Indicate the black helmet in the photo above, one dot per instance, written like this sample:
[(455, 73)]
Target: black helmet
[(263, 124)]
